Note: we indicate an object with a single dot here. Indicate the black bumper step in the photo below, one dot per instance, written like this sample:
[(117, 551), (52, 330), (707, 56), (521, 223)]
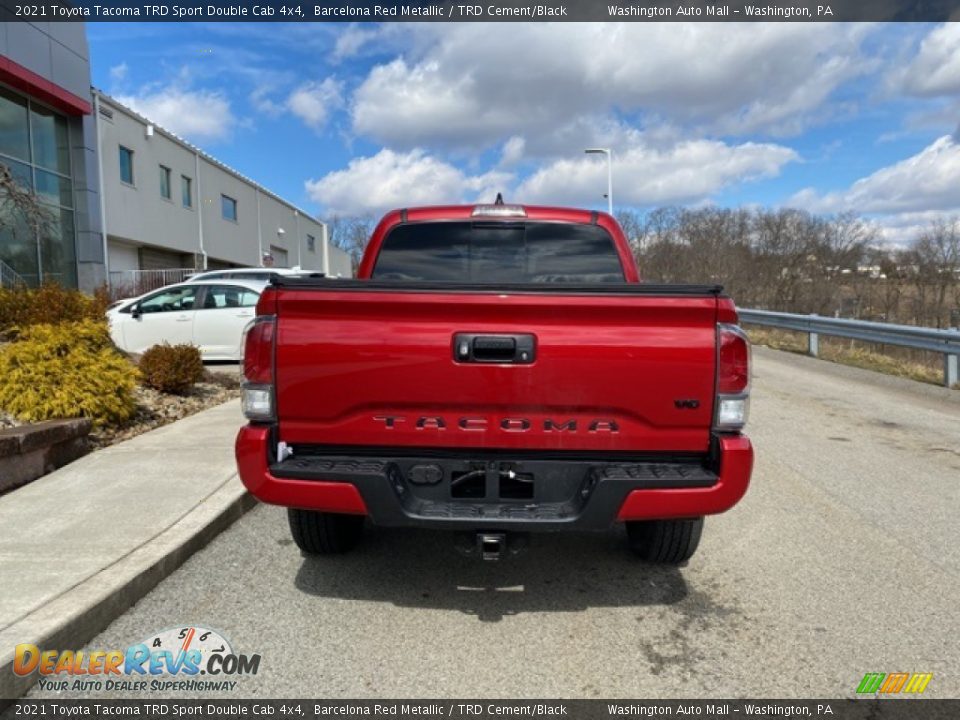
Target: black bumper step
[(585, 494), (334, 470), (494, 511), (660, 474)]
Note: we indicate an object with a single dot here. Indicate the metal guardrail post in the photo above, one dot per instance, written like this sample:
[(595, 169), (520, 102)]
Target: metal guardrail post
[(950, 368), (813, 343)]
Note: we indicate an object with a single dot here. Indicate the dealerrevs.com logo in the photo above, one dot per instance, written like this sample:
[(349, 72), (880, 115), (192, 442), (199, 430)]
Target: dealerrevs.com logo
[(186, 659)]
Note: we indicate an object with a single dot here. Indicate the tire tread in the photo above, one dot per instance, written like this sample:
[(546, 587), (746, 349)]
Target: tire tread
[(669, 542), (318, 533)]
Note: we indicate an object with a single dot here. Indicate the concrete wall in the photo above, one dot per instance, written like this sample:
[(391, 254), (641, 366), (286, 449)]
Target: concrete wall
[(139, 215), (91, 270), (341, 265), (137, 212), (58, 53)]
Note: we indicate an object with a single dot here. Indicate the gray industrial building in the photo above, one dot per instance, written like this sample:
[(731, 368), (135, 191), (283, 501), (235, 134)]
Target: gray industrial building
[(133, 204), (168, 206)]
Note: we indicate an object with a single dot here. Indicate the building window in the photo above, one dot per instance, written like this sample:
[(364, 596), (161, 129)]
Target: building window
[(51, 148), (126, 165), (186, 191), (228, 208), (165, 182), (311, 243), (35, 148), (14, 128)]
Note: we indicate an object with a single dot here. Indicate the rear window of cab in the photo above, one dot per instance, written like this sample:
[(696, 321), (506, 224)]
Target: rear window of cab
[(499, 252)]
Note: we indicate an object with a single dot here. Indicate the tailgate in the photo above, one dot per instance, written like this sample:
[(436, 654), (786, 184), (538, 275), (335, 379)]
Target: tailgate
[(369, 364)]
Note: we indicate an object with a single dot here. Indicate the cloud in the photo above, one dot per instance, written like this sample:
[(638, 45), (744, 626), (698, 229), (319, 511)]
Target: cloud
[(513, 151), (935, 71), (927, 181), (118, 73), (390, 179), (901, 229), (313, 101), (351, 41), (193, 114), (688, 171), (472, 85), (263, 103)]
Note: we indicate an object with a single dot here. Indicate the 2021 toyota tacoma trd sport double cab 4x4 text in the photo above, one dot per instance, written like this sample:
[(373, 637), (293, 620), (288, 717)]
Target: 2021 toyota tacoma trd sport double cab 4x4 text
[(496, 370)]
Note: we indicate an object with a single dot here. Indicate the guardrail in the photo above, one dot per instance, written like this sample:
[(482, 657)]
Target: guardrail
[(909, 336)]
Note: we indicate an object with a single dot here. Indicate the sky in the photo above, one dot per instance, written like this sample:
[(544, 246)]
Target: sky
[(356, 119)]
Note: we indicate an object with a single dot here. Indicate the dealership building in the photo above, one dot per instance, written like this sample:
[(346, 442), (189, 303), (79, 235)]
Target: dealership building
[(124, 199)]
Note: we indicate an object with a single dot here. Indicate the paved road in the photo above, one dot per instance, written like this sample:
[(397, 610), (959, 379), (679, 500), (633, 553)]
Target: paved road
[(843, 559)]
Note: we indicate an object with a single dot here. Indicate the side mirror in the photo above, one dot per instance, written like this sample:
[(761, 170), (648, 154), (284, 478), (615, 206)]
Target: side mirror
[(135, 312)]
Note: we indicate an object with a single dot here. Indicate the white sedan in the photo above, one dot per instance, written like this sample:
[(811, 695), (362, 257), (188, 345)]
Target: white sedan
[(211, 315)]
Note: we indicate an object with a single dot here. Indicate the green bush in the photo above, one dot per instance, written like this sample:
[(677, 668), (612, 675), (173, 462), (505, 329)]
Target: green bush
[(171, 368), (70, 369), (22, 307)]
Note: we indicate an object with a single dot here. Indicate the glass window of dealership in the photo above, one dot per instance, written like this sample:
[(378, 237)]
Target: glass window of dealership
[(35, 149)]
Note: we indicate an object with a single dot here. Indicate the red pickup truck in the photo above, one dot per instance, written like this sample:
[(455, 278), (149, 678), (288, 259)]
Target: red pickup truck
[(496, 370)]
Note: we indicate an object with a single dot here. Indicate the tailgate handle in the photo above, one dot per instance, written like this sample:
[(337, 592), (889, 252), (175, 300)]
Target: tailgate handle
[(474, 348)]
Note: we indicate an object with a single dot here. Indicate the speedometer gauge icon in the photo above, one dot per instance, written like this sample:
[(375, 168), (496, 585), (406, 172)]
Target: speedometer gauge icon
[(182, 640)]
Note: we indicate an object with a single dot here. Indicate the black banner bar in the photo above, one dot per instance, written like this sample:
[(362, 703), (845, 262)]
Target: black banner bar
[(865, 709), (485, 11)]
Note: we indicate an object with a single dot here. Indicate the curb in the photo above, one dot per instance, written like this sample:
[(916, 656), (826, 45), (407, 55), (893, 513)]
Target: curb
[(73, 618)]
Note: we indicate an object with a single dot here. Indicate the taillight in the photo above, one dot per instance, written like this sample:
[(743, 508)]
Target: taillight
[(733, 378), (733, 373), (267, 305), (258, 350), (258, 397)]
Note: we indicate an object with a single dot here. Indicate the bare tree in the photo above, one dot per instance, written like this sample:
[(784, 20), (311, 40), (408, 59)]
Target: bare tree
[(22, 216), (838, 245), (351, 234), (635, 229), (936, 255)]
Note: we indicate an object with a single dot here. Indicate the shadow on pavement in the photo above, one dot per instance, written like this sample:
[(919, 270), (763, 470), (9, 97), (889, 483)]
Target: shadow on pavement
[(556, 573)]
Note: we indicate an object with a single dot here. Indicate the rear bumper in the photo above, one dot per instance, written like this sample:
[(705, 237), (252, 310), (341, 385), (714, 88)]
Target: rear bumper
[(580, 495)]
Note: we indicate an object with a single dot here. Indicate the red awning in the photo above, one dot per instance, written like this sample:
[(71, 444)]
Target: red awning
[(28, 82)]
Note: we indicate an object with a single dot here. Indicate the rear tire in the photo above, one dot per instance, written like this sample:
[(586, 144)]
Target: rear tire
[(669, 542), (318, 533)]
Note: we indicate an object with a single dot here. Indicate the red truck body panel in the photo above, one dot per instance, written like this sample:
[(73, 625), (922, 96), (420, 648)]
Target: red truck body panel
[(251, 450), (614, 365)]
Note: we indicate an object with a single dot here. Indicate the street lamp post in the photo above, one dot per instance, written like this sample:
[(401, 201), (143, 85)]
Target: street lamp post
[(609, 153)]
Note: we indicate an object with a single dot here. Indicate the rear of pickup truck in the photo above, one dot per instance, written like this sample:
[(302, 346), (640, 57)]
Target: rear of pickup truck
[(496, 374)]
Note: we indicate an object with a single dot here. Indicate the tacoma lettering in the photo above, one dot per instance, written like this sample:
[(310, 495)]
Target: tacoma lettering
[(507, 424)]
